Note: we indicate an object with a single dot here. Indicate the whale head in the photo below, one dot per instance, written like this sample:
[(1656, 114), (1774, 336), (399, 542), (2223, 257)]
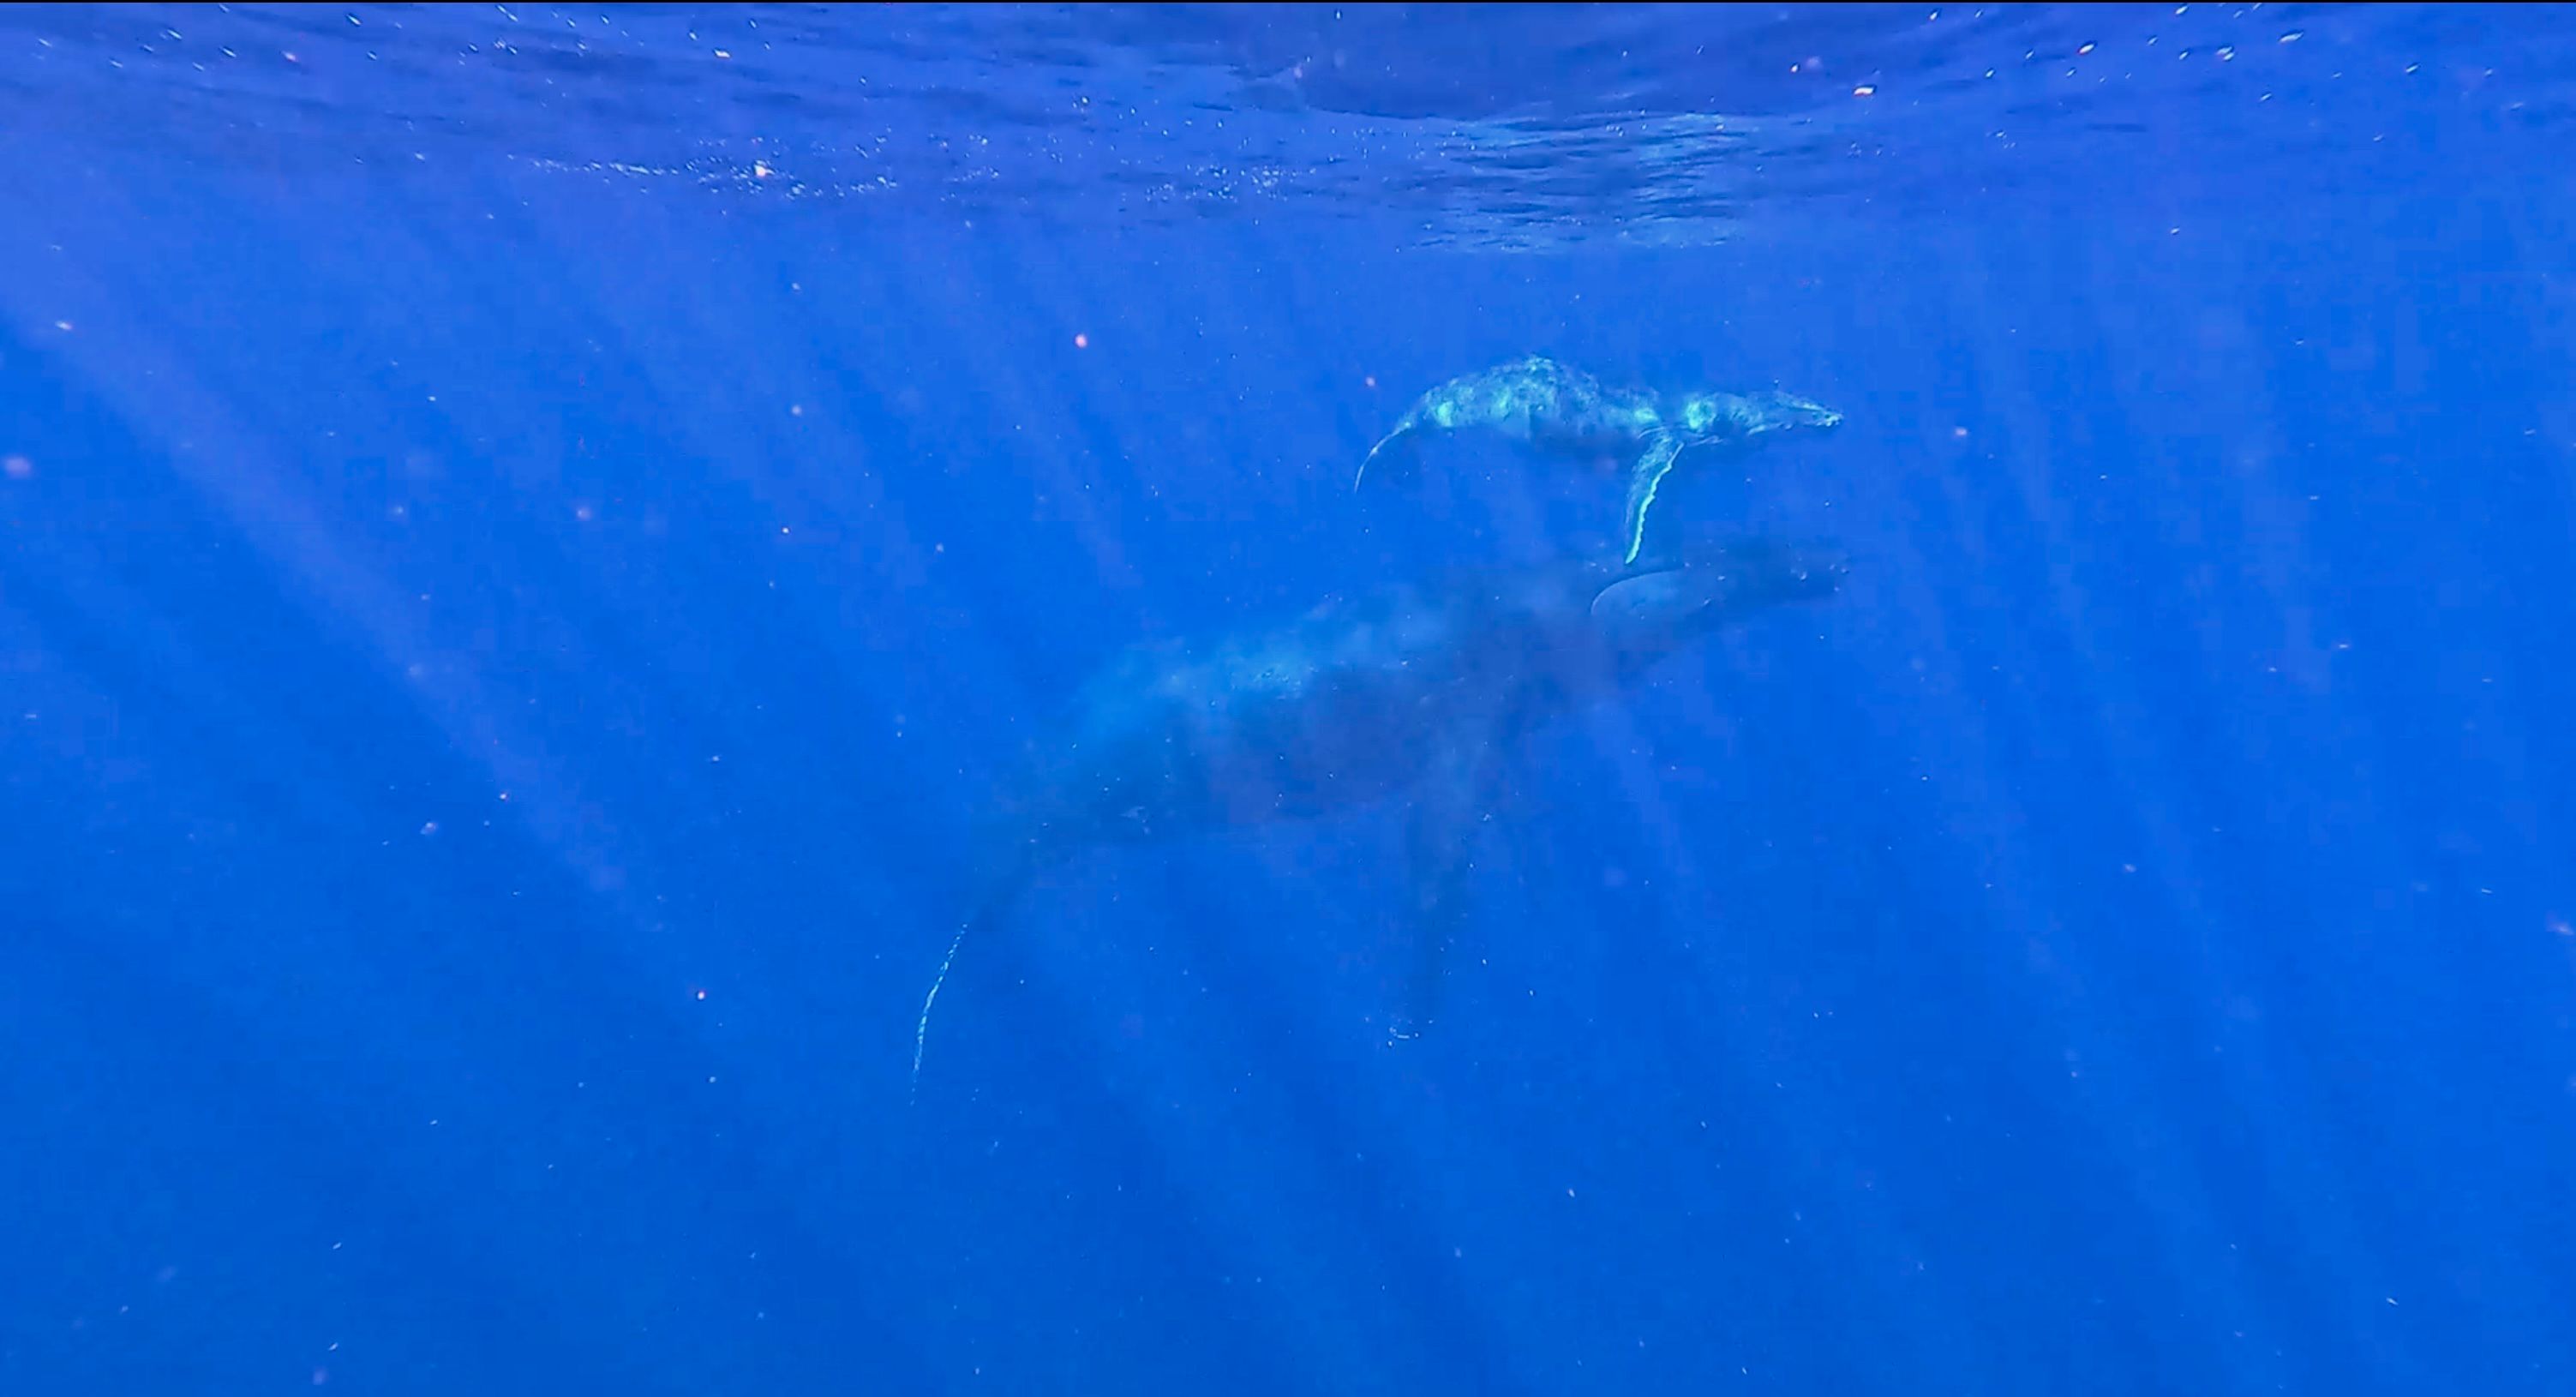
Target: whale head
[(1738, 416), (1659, 610)]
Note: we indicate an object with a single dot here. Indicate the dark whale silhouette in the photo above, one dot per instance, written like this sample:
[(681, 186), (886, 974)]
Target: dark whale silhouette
[(1407, 691)]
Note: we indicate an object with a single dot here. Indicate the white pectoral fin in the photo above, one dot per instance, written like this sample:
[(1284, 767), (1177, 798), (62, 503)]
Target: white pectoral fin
[(1440, 840), (1645, 478), (994, 900), (1397, 453)]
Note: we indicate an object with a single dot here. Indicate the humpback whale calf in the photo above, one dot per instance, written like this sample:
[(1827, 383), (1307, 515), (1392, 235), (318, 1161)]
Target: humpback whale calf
[(1407, 691), (1563, 411)]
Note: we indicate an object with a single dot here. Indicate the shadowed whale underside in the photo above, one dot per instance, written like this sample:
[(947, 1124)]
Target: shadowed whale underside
[(1407, 692)]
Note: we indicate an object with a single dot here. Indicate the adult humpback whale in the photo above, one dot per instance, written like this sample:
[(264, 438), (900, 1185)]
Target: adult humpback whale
[(1410, 690)]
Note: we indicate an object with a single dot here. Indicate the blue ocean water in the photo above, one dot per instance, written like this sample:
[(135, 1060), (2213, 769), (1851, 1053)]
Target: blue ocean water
[(529, 534)]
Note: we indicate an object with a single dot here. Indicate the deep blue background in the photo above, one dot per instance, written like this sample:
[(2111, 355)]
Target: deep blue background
[(497, 668)]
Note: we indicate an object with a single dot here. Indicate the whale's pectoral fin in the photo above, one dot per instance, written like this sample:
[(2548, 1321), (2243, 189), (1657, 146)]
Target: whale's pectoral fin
[(1644, 479), (1011, 877), (1440, 841), (1398, 453)]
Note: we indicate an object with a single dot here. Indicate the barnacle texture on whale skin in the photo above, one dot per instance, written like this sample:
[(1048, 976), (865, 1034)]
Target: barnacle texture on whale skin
[(1537, 400)]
